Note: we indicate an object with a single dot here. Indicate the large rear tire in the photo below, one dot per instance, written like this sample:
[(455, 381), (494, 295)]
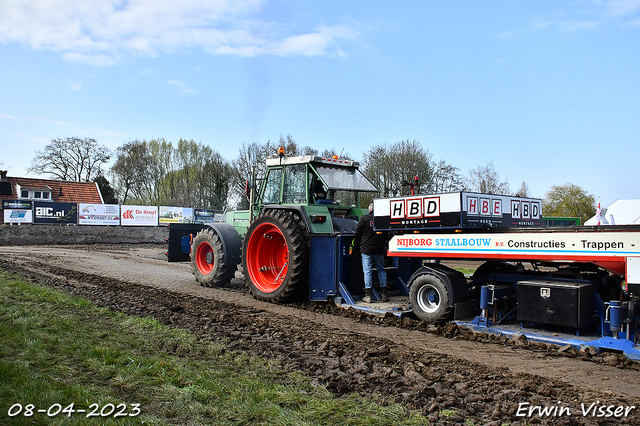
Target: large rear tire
[(430, 299), (207, 260), (275, 256)]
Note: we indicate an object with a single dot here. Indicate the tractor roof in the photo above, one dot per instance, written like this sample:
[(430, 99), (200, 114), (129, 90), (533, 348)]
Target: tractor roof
[(315, 159)]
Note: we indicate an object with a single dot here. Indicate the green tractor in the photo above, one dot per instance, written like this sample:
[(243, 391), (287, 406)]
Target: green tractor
[(294, 238)]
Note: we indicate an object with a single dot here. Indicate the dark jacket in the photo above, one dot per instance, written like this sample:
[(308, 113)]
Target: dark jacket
[(367, 240)]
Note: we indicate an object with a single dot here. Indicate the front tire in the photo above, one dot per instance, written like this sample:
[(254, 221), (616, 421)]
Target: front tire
[(275, 256), (207, 260), (430, 299)]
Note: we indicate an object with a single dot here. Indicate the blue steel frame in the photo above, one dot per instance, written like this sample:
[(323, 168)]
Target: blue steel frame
[(608, 340), (484, 325), (329, 262)]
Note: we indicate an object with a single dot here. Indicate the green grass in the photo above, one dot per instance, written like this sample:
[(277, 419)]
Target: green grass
[(59, 349), (466, 271)]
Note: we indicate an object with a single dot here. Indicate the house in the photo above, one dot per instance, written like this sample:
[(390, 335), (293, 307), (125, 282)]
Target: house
[(55, 191)]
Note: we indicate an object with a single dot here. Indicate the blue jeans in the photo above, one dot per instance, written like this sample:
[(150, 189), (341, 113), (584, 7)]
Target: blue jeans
[(368, 260)]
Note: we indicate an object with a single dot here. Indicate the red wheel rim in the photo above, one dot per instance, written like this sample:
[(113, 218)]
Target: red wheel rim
[(202, 250), (267, 257)]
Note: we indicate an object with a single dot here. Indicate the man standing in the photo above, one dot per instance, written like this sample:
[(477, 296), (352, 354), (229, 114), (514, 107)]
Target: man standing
[(373, 246)]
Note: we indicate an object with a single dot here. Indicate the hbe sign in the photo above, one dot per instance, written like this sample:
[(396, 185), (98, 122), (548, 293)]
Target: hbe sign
[(456, 210)]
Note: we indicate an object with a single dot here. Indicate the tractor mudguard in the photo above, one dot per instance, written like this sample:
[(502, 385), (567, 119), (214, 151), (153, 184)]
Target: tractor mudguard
[(455, 281), (300, 210), (344, 226), (215, 254), (231, 242)]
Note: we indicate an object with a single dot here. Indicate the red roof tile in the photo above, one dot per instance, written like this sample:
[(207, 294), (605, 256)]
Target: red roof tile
[(61, 191)]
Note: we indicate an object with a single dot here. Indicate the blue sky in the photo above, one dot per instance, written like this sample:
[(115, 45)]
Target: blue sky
[(547, 90)]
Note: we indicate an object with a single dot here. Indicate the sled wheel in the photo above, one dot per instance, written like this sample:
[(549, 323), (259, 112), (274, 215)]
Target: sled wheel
[(430, 298), (275, 256), (207, 260)]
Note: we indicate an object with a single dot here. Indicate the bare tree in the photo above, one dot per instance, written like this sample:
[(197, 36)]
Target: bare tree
[(524, 190), (289, 144), (251, 158), (161, 154), (199, 177), (389, 166), (131, 170), (446, 178), (486, 180), (71, 159), (154, 172), (329, 153), (214, 182)]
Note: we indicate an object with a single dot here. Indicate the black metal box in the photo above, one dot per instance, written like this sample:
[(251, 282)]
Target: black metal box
[(567, 304)]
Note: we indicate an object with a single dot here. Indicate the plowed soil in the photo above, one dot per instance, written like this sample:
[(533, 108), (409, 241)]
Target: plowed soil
[(450, 374)]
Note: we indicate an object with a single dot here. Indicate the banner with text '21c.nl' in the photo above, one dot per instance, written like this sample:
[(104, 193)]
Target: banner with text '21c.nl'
[(58, 213)]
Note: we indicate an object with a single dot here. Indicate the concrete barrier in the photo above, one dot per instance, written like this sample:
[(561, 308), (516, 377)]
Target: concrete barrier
[(85, 234)]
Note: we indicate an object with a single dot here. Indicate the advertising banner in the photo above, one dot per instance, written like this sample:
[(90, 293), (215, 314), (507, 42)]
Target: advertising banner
[(456, 210), (175, 215), (99, 214), (17, 204), (589, 246), (138, 215), (206, 216), (18, 215), (45, 212)]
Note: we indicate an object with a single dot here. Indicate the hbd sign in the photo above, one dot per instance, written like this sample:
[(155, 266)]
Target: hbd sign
[(501, 210), (456, 210), (525, 209), (415, 208)]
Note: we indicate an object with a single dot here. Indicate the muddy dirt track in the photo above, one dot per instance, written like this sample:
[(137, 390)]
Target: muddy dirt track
[(433, 369)]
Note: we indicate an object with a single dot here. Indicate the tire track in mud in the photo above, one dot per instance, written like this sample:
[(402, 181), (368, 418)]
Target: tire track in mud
[(397, 360)]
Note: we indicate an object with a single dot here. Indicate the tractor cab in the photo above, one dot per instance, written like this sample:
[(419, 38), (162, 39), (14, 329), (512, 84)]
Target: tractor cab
[(318, 188)]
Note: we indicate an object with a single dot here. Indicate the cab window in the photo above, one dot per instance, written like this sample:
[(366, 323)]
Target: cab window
[(295, 185), (271, 194)]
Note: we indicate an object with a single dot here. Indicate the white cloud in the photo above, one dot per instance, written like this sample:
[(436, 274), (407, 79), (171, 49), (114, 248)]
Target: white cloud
[(586, 15), (306, 44), (569, 25), (634, 23), (577, 25), (100, 60), (623, 7), (506, 34), (75, 86), (49, 121), (103, 32), (319, 42), (32, 138), (540, 24), (182, 85), (36, 119)]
